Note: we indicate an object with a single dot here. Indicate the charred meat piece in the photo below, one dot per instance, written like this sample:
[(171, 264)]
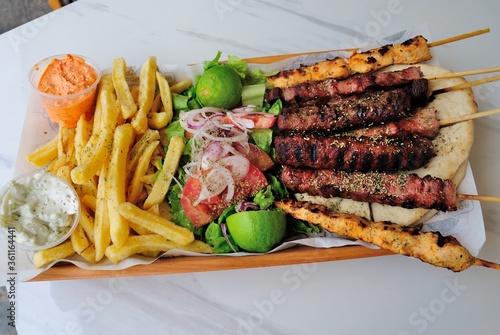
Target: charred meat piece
[(353, 154), (353, 85), (429, 247), (423, 123), (354, 111), (412, 51), (395, 189)]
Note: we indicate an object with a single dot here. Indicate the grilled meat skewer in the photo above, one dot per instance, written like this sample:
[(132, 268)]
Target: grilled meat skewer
[(429, 247), (412, 51), (395, 189), (356, 84), (422, 123), (354, 111), (353, 154)]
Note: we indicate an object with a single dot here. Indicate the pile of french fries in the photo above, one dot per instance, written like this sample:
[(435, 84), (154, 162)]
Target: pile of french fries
[(116, 161)]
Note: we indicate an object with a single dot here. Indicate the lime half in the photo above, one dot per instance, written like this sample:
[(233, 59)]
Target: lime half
[(257, 231), (219, 86)]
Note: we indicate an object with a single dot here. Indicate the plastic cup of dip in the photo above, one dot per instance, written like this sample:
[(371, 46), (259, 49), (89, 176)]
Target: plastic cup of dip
[(67, 89), (38, 210)]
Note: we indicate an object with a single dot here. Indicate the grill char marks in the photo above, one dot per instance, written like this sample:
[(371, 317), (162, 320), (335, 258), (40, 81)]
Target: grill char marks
[(356, 110), (403, 190), (353, 154)]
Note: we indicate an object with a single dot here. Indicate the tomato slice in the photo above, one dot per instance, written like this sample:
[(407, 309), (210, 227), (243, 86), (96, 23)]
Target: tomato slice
[(256, 156), (210, 209), (261, 121)]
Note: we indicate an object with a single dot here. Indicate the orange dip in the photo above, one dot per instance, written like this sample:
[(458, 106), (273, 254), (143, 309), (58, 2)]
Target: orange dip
[(65, 77), (68, 75)]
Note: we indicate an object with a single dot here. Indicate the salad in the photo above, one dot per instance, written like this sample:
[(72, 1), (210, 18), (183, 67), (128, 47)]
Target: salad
[(226, 182)]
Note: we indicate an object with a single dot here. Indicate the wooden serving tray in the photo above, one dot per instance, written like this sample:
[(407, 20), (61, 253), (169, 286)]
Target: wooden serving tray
[(186, 264)]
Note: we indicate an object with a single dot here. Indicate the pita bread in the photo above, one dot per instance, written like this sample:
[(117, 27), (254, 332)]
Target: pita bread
[(452, 146)]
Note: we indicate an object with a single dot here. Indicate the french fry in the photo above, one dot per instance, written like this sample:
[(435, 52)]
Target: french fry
[(136, 185), (158, 120), (147, 87), (87, 221), (156, 106), (47, 256), (181, 86), (170, 165), (119, 71), (78, 239), (166, 97), (89, 254), (64, 172), (152, 243), (197, 246), (89, 201), (84, 172), (119, 228), (138, 150), (139, 229), (66, 144), (156, 224), (82, 136), (102, 237), (88, 189), (45, 154), (162, 209)]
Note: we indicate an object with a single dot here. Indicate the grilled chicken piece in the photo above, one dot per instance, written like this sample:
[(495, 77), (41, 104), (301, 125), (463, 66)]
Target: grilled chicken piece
[(429, 247), (412, 51)]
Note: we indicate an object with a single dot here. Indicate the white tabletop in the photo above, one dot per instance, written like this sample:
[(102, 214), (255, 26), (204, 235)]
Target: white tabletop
[(384, 295)]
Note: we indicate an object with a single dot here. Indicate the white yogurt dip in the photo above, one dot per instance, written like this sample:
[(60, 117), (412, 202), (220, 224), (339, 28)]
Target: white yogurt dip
[(41, 208)]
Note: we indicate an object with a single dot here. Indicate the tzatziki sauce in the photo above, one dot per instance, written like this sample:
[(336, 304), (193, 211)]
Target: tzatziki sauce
[(40, 208)]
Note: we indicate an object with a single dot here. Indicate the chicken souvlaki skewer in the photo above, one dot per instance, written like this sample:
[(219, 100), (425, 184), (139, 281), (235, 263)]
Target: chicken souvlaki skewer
[(429, 247), (412, 51)]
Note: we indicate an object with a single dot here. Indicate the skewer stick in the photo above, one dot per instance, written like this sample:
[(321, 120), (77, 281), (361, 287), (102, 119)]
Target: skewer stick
[(277, 58), (463, 73), (466, 85), (458, 37), (453, 120), (487, 264), (478, 197)]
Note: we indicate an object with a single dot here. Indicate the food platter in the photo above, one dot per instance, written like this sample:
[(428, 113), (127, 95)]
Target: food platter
[(39, 130)]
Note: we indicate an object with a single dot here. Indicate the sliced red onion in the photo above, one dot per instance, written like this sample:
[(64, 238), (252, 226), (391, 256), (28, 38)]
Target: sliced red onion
[(244, 206), (241, 123), (212, 154), (239, 165), (224, 233), (245, 109)]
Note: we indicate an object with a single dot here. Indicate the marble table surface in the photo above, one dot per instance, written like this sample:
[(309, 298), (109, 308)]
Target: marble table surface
[(382, 295)]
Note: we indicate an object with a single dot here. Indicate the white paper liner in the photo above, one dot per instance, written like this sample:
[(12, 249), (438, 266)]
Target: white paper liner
[(466, 224)]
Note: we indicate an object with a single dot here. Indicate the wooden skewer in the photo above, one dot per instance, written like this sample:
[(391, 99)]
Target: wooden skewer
[(277, 58), (466, 85), (463, 73), (487, 264), (458, 37), (478, 197), (457, 119)]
